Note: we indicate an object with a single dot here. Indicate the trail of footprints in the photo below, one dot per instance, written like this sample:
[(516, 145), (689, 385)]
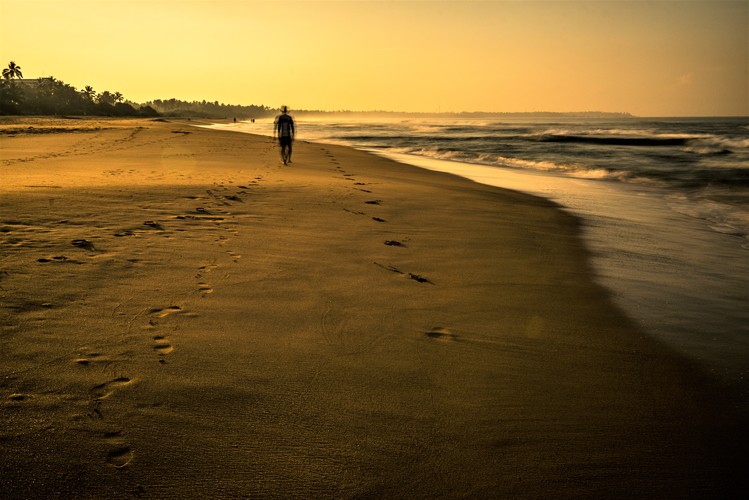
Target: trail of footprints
[(436, 334), (211, 212), (120, 454), (161, 345), (376, 202), (222, 196)]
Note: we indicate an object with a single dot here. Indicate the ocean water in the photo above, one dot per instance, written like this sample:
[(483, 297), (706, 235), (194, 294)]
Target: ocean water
[(664, 205)]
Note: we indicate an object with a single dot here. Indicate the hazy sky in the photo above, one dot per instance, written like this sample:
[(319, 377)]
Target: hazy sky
[(652, 58)]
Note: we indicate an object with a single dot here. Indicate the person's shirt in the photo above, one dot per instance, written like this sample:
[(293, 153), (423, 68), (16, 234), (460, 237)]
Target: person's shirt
[(285, 126)]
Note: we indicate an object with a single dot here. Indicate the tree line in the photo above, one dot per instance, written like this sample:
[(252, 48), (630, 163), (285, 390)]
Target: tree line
[(207, 109), (50, 96)]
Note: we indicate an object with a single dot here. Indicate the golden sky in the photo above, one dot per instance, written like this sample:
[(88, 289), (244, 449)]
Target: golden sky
[(649, 58)]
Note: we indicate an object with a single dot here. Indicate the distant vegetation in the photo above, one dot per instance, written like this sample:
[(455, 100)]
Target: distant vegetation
[(49, 96), (205, 109)]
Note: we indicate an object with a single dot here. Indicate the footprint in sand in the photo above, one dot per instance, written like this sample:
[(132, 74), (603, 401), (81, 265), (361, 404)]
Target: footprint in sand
[(202, 270), (208, 267), (90, 358), (58, 258), (85, 244), (154, 225), (439, 333), (161, 345), (420, 279), (411, 276), (205, 288), (120, 454), (106, 389), (162, 313)]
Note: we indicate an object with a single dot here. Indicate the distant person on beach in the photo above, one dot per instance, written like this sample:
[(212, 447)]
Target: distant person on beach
[(284, 128)]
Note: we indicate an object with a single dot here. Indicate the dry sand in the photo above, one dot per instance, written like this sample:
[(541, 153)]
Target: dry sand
[(183, 317)]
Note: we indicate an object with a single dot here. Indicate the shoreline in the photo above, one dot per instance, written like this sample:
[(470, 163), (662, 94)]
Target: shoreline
[(231, 314), (643, 295)]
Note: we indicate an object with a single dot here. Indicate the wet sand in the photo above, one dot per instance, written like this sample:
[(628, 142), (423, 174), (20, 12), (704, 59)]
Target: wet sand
[(184, 317)]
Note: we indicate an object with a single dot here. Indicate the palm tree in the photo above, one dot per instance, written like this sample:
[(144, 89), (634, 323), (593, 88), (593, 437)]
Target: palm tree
[(88, 92), (106, 97), (12, 71)]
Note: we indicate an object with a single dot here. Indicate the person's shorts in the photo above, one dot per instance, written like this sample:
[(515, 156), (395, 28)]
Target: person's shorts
[(284, 141)]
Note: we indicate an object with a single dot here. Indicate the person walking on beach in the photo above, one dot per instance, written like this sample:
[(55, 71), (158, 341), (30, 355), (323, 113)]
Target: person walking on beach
[(284, 127)]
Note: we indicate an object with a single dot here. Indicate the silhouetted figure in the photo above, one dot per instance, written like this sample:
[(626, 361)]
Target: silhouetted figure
[(284, 128), (235, 120)]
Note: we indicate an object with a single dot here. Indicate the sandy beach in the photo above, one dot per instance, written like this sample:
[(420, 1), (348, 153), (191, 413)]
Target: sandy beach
[(181, 316)]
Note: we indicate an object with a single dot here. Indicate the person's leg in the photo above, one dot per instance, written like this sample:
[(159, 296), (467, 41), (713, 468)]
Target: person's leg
[(282, 143)]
